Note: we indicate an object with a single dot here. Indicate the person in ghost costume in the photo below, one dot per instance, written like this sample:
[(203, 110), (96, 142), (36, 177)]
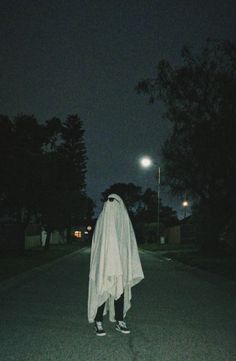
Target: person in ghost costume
[(115, 266)]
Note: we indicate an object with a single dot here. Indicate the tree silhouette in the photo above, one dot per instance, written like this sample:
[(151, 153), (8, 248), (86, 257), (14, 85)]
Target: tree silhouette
[(43, 169), (22, 151), (199, 156), (129, 192), (64, 201)]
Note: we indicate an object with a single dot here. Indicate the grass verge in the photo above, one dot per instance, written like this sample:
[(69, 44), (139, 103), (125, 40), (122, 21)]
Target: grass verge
[(224, 265), (12, 263), (166, 247)]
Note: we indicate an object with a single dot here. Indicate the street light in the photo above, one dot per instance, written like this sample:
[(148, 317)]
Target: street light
[(185, 205), (146, 162)]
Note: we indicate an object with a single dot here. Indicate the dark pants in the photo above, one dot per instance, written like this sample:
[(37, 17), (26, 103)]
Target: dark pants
[(119, 306)]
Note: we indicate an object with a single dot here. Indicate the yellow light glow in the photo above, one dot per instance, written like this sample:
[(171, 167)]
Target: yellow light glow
[(78, 234)]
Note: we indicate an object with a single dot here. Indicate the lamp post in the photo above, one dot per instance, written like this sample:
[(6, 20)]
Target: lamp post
[(146, 162)]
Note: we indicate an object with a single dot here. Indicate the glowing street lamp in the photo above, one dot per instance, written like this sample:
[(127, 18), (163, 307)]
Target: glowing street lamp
[(147, 162), (185, 205)]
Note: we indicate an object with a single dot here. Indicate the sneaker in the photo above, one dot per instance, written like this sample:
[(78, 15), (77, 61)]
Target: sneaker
[(99, 329), (121, 327)]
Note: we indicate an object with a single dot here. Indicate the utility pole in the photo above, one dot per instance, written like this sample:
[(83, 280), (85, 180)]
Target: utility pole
[(147, 162), (158, 202)]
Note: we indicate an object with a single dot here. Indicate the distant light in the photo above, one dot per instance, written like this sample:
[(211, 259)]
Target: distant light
[(89, 228), (85, 232), (146, 162), (185, 204), (78, 234)]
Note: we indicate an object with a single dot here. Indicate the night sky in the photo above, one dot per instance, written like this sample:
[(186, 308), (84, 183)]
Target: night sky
[(86, 57)]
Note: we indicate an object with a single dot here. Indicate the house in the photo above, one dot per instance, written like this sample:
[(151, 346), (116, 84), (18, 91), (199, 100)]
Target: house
[(183, 232)]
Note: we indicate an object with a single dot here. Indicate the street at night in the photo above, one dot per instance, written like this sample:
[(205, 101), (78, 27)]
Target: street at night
[(117, 180), (178, 313)]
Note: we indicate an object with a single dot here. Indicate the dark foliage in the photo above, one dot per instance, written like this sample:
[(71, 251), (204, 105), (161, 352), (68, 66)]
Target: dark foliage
[(142, 206), (43, 168), (199, 156)]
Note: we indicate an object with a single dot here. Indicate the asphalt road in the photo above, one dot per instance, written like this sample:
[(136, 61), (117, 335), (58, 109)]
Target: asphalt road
[(177, 314)]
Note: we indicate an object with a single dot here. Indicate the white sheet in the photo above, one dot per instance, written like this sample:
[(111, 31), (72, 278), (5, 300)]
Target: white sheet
[(115, 265)]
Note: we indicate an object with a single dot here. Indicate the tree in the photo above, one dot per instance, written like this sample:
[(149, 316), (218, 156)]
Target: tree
[(43, 173), (130, 193), (73, 150), (168, 216), (142, 205), (146, 217), (51, 203), (64, 202), (73, 154), (22, 150), (82, 209), (53, 128), (199, 156), (148, 207)]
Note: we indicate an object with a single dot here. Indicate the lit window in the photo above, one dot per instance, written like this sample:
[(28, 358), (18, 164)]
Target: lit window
[(78, 234)]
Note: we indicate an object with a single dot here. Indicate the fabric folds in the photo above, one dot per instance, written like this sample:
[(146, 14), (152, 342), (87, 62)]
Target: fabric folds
[(115, 265)]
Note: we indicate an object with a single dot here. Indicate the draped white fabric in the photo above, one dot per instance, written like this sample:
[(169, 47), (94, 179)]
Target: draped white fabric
[(114, 264)]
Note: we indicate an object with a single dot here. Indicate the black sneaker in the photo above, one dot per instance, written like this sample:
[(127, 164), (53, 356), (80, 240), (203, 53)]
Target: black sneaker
[(99, 329), (121, 327)]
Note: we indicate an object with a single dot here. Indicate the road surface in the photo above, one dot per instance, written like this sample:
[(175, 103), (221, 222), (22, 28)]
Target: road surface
[(177, 314)]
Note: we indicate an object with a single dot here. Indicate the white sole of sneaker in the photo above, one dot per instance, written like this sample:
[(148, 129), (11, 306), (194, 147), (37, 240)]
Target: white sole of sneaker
[(99, 334), (124, 332)]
